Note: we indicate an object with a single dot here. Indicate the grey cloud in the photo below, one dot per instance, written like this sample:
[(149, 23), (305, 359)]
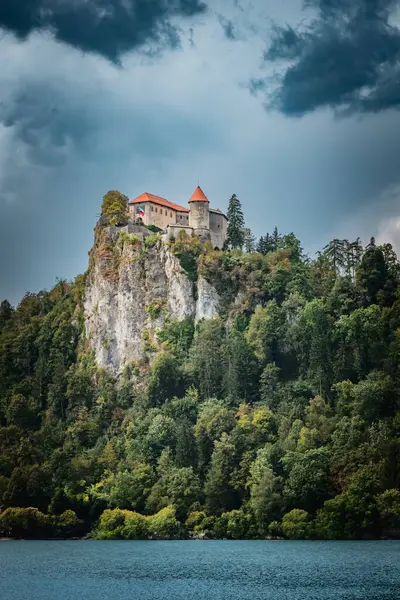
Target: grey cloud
[(347, 57), (228, 28), (106, 27)]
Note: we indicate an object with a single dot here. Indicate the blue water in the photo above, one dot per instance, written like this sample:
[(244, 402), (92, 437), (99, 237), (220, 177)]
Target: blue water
[(192, 570)]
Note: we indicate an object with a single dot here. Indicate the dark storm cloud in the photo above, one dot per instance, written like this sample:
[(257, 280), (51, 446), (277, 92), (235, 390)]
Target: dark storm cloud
[(106, 27), (346, 58), (45, 119)]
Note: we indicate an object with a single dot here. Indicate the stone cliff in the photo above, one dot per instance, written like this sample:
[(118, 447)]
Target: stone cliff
[(135, 284)]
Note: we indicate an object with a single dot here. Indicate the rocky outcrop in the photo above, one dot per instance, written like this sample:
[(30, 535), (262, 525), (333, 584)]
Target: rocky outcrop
[(134, 283), (207, 300)]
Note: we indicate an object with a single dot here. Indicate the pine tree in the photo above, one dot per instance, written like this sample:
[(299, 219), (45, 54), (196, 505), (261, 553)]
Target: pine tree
[(276, 239), (249, 240), (265, 244), (236, 229), (335, 252)]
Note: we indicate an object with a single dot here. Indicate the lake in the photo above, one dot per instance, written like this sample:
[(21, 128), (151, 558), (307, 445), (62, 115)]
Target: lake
[(192, 570)]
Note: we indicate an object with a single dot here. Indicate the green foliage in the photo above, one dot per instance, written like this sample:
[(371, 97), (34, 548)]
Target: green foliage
[(128, 238), (115, 207), (153, 228), (129, 525), (164, 523), (31, 523), (280, 417), (151, 240), (25, 522), (236, 228), (165, 379), (295, 525), (155, 308), (187, 249)]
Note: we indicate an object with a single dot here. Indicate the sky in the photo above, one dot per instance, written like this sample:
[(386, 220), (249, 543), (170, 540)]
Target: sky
[(291, 105)]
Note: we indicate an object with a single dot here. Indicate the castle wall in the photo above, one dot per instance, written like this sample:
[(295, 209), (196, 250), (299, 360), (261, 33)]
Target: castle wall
[(182, 218), (204, 223), (218, 229), (173, 231), (154, 214), (199, 216)]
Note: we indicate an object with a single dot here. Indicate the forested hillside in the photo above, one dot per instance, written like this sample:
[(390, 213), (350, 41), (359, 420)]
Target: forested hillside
[(278, 418)]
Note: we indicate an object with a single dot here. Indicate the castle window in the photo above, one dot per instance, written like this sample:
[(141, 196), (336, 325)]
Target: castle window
[(166, 213), (156, 209), (170, 214), (152, 208)]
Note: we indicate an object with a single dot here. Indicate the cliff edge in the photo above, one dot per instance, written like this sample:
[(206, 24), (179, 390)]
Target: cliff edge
[(135, 285)]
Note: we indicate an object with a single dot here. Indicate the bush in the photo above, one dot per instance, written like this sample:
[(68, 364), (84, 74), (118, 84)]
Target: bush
[(111, 524), (237, 524), (153, 228), (155, 307), (25, 523), (275, 529), (295, 524), (151, 240), (129, 238), (164, 523), (136, 526), (187, 249), (130, 525), (68, 525)]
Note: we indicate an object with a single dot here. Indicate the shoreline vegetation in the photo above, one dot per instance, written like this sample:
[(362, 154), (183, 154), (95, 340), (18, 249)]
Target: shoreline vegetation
[(279, 417)]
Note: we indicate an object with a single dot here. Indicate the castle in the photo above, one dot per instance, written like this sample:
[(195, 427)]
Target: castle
[(199, 219)]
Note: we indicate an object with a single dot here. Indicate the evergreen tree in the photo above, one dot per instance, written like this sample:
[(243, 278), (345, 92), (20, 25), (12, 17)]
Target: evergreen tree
[(335, 252), (249, 240), (276, 239), (236, 228)]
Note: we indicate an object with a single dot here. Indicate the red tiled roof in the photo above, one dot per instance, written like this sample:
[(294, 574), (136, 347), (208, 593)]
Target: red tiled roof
[(198, 195), (146, 197)]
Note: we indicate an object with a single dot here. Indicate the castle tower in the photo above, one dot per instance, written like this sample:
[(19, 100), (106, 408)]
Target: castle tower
[(199, 215)]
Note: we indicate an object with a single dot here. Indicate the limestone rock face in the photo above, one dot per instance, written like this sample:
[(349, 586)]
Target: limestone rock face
[(207, 301), (132, 287)]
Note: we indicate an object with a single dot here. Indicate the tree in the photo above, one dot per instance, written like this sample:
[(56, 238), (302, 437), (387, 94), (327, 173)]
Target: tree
[(265, 244), (218, 491), (265, 491), (373, 276), (307, 484), (249, 240), (335, 252), (236, 229), (295, 524), (115, 207)]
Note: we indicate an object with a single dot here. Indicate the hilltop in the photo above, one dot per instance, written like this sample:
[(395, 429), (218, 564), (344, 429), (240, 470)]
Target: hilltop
[(177, 389)]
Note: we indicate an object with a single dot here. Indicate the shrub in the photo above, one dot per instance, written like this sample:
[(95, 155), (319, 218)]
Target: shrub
[(153, 228), (237, 524), (128, 238), (199, 524), (155, 307), (68, 525), (275, 529), (187, 249), (295, 524), (25, 523), (136, 526), (111, 524), (164, 523), (151, 240)]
